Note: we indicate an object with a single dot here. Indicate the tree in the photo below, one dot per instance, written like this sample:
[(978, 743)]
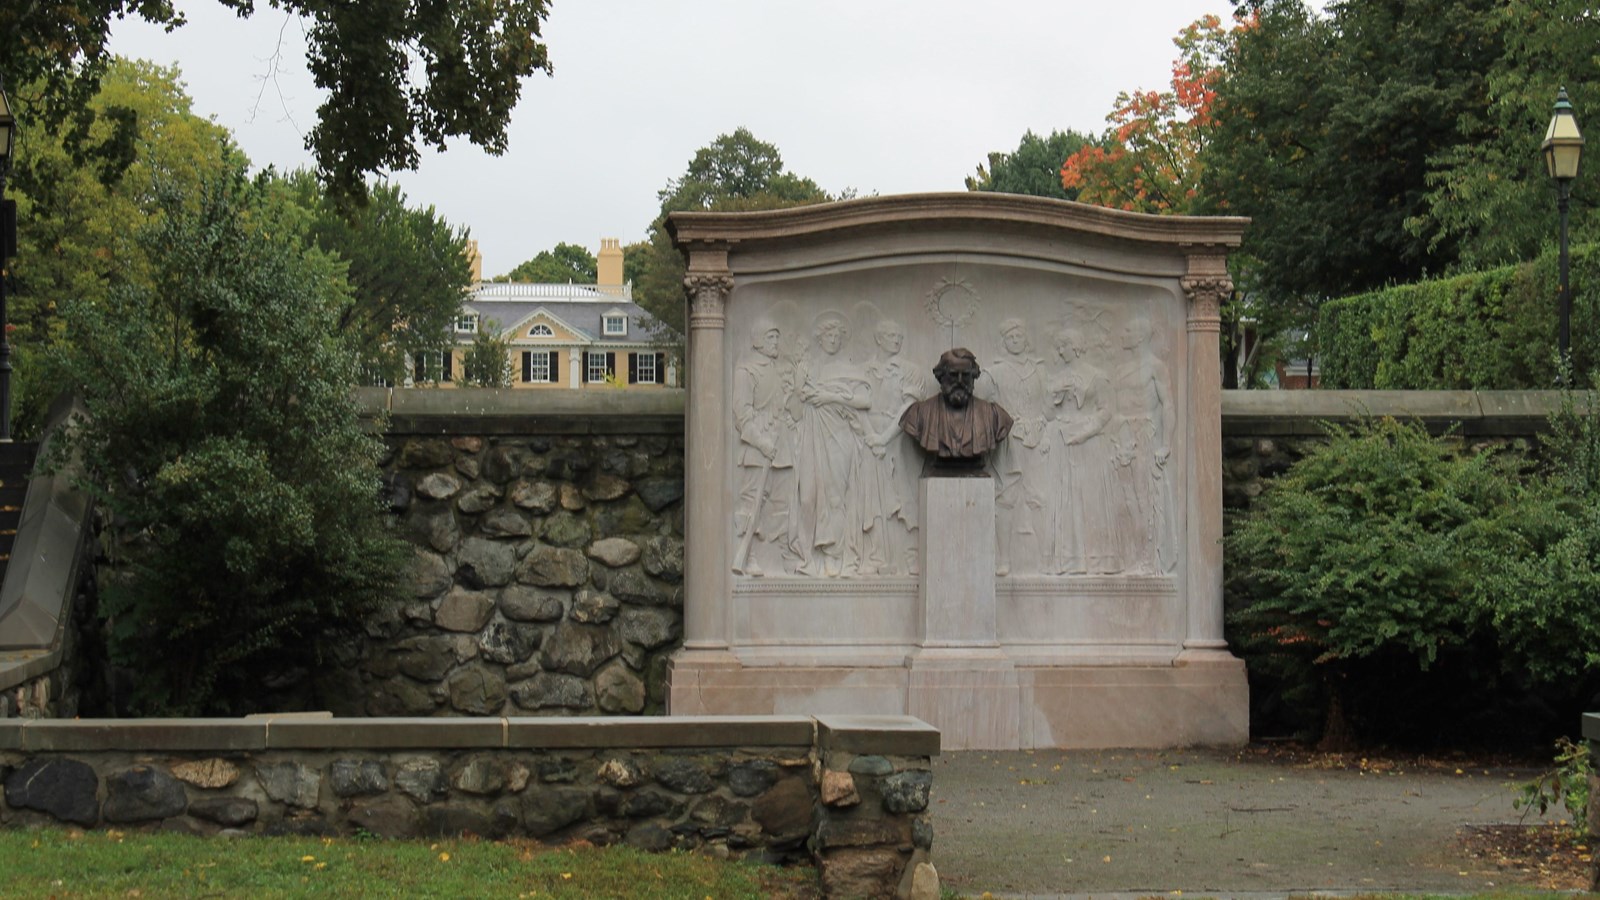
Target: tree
[(407, 268), (222, 439), (566, 263), (487, 361), (81, 214), (1034, 168), (1325, 128), (1150, 159), (395, 73), (734, 172), (1491, 198)]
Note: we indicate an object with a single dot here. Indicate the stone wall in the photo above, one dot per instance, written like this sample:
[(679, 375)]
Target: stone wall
[(549, 537), (549, 560), (1266, 432), (850, 795), (50, 649)]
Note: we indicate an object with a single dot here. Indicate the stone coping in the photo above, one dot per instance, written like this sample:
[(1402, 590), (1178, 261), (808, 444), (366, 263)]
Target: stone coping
[(894, 735), (456, 411), (986, 210), (41, 578), (1470, 413)]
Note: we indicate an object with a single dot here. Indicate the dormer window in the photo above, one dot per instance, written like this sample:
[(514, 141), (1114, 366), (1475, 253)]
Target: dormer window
[(541, 330), (467, 323), (615, 326)]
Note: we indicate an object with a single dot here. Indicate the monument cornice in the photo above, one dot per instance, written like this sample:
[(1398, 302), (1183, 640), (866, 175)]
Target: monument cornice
[(966, 208)]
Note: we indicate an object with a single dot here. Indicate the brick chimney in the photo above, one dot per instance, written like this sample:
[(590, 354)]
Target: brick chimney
[(474, 260), (608, 269)]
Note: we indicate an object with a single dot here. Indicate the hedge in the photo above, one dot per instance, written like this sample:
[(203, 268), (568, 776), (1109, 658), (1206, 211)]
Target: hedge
[(1490, 330)]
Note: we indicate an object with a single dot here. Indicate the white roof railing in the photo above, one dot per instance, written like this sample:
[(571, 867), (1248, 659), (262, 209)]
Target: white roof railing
[(489, 290)]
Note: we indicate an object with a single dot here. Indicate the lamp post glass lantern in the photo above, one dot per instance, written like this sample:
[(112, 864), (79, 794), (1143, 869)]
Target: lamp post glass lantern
[(1563, 153)]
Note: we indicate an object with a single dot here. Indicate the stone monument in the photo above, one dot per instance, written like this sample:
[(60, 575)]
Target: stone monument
[(1071, 596)]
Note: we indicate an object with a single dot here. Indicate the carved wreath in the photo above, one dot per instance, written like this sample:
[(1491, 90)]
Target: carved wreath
[(952, 303)]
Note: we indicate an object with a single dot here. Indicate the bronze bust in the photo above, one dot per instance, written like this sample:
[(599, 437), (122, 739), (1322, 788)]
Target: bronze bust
[(955, 427)]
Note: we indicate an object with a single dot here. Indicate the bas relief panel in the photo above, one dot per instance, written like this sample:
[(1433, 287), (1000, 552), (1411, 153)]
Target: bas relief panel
[(827, 482)]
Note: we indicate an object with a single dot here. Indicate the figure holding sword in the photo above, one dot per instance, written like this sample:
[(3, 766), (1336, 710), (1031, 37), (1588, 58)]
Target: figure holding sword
[(762, 385)]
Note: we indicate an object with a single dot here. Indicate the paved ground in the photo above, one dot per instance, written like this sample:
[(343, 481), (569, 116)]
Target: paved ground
[(1109, 823)]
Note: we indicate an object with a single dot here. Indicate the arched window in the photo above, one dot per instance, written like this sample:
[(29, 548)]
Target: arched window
[(541, 330)]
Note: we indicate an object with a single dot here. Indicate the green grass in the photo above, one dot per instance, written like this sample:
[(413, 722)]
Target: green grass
[(60, 863)]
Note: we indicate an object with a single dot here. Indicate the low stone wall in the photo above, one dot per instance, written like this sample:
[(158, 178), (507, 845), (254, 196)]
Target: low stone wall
[(847, 793), (549, 556)]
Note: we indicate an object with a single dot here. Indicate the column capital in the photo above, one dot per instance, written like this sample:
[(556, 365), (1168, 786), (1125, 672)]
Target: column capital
[(708, 295), (1206, 283)]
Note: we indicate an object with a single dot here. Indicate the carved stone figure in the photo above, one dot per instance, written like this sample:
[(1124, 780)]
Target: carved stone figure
[(762, 383), (1144, 427), (832, 399), (1086, 537), (1017, 383), (954, 427), (889, 504)]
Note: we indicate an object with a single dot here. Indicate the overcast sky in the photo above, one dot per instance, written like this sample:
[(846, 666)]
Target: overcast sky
[(885, 96)]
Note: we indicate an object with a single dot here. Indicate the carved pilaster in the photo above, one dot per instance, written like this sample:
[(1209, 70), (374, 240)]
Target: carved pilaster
[(1206, 285), (707, 286)]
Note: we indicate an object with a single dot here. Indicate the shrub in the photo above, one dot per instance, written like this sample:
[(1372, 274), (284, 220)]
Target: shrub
[(1491, 330), (1369, 547), (222, 444)]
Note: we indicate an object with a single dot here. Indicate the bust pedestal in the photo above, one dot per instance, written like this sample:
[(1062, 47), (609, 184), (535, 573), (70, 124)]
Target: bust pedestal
[(961, 681)]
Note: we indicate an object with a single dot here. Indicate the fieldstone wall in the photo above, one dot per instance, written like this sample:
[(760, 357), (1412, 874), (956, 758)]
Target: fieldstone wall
[(549, 537), (849, 795), (547, 577)]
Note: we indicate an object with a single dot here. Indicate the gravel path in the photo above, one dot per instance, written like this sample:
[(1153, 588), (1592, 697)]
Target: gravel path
[(1054, 822)]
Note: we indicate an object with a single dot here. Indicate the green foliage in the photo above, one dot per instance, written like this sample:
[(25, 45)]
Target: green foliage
[(223, 443), (566, 263), (1374, 541), (394, 73), (1491, 330), (1034, 168), (735, 172), (407, 268), (1492, 197), (1566, 784), (1326, 125), (487, 361), (1548, 600), (78, 221)]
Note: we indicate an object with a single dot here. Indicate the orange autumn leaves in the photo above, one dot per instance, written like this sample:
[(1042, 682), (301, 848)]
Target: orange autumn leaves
[(1149, 159)]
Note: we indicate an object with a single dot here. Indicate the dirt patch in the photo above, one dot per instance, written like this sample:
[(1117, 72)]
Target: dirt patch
[(1544, 856)]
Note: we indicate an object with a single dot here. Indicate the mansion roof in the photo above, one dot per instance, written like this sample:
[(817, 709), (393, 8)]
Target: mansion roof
[(579, 307)]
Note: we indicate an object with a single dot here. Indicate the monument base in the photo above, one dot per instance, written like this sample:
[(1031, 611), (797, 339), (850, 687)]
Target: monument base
[(1067, 707), (971, 696)]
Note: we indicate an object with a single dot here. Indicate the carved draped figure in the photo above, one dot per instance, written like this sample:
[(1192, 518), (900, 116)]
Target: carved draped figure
[(1017, 383), (830, 439), (1088, 536), (1142, 432), (888, 504)]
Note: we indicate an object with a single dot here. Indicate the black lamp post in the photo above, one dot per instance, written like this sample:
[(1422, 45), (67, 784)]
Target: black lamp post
[(8, 249), (1563, 150)]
